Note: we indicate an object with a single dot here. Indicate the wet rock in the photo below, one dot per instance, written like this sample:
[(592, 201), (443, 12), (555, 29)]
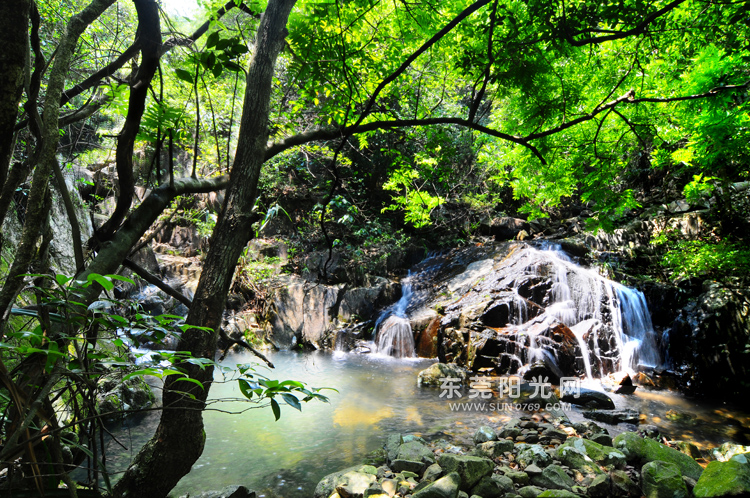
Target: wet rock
[(445, 487), (591, 398), (471, 469), (357, 474), (376, 491), (392, 444), (495, 449), (662, 480), (492, 487), (412, 456), (399, 465), (533, 455), (602, 455), (540, 370), (730, 478), (642, 450), (431, 376), (553, 477), (484, 434), (613, 416)]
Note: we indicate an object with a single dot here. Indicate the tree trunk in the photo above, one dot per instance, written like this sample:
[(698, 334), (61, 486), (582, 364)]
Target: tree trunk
[(14, 25), (180, 437)]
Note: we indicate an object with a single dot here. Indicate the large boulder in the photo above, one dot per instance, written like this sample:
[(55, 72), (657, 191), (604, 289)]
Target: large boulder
[(662, 480), (730, 478), (643, 450)]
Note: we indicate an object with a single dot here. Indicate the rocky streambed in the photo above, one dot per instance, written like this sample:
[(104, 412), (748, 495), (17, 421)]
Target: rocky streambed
[(570, 460)]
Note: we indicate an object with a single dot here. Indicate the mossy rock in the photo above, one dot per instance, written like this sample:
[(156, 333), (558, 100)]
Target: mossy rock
[(730, 478), (642, 450), (471, 469), (662, 480)]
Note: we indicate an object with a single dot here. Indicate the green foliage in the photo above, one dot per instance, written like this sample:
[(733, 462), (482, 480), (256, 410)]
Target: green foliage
[(697, 258)]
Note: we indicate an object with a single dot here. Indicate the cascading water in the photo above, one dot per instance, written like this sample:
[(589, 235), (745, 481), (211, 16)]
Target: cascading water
[(587, 302), (394, 334)]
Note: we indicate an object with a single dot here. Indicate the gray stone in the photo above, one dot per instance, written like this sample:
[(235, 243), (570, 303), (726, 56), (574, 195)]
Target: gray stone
[(485, 434), (662, 480), (603, 439), (432, 473), (518, 477), (471, 469), (553, 477), (445, 487)]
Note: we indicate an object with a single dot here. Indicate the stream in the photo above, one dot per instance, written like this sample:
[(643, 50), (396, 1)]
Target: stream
[(376, 396)]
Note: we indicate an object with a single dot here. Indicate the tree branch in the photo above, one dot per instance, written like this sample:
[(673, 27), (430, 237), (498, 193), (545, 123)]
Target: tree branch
[(640, 28), (158, 282)]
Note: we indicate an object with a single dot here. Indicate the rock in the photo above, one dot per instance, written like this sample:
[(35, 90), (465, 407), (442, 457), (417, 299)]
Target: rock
[(613, 416), (115, 397), (626, 386), (553, 477), (471, 469), (589, 397), (389, 486), (495, 449), (533, 470), (229, 492), (577, 459), (354, 484), (504, 228), (601, 486), (540, 370), (411, 466), (533, 455), (445, 487), (662, 480), (484, 434), (603, 439), (431, 376), (492, 487), (331, 482), (518, 477), (432, 473), (530, 491), (416, 452), (642, 450), (730, 478), (602, 455)]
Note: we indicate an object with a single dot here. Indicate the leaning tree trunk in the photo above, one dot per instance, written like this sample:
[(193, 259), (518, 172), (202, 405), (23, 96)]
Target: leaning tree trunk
[(180, 437)]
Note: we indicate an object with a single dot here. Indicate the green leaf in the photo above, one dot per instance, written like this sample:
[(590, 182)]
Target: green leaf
[(212, 39), (292, 401), (276, 409), (184, 75), (106, 284)]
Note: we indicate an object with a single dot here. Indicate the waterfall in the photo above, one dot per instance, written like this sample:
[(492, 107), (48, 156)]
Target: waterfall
[(394, 334), (588, 302)]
